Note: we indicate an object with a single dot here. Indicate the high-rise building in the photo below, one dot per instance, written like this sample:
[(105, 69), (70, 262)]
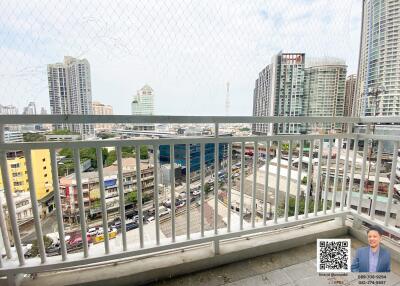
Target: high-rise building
[(262, 99), (324, 89), (349, 94), (102, 109), (70, 91), (279, 91), (30, 109), (378, 83), (143, 104), (143, 101), (8, 110)]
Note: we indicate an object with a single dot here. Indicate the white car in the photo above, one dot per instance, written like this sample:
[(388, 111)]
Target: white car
[(150, 219), (92, 231), (196, 193), (181, 204), (100, 231)]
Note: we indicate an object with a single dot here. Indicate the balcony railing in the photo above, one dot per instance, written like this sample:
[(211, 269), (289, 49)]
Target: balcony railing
[(340, 198)]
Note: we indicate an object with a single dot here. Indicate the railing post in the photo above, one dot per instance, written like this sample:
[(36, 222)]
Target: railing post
[(362, 181), (229, 194), (10, 202), (3, 225), (266, 182), (318, 187), (242, 177), (216, 246)]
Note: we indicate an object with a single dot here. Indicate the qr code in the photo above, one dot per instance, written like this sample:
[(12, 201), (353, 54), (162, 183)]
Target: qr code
[(333, 255)]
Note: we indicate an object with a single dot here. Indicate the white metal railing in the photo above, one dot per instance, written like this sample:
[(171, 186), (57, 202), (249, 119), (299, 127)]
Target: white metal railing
[(18, 264)]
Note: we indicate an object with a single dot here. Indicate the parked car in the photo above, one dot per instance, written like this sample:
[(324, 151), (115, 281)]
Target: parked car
[(92, 231), (181, 204), (131, 225), (196, 193), (150, 219)]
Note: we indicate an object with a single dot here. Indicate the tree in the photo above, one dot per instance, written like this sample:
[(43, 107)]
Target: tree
[(111, 158), (33, 137), (302, 203), (105, 135), (131, 198), (63, 132), (35, 248), (144, 152)]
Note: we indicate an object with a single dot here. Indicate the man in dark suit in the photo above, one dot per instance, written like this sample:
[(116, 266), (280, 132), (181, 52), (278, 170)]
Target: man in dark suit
[(373, 258)]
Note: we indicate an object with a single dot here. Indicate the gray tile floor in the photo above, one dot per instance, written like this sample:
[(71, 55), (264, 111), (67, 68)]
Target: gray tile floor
[(291, 267)]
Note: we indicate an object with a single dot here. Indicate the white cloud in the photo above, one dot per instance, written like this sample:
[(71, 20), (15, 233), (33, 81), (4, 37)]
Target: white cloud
[(186, 50)]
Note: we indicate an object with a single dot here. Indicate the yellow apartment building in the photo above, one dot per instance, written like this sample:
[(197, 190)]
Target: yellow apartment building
[(19, 175)]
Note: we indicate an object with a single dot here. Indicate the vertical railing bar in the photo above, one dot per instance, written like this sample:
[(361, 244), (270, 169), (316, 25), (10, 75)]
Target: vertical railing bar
[(254, 190), (327, 178), (10, 203), (172, 176), (391, 184), (99, 156), (121, 198), (335, 182), (139, 194), (187, 191), (309, 177), (216, 180), (362, 180), (299, 169), (81, 204), (353, 168), (57, 201), (376, 183), (278, 175), (242, 162), (266, 188), (4, 232), (318, 186), (229, 194), (345, 171), (202, 159), (34, 202), (288, 179), (156, 195)]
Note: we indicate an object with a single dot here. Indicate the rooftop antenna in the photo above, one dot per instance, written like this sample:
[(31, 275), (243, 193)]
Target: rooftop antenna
[(227, 100)]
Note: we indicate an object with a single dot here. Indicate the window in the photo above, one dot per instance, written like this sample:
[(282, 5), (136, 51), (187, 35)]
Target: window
[(45, 175), (44, 168), (25, 213), (15, 165), (44, 159)]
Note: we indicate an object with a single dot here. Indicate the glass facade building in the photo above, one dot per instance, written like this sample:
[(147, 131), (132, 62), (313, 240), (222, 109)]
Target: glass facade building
[(180, 155)]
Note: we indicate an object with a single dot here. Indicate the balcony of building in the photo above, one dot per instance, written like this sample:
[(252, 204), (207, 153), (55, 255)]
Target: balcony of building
[(260, 226)]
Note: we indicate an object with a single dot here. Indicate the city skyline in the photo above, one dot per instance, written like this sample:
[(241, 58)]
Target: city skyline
[(187, 67)]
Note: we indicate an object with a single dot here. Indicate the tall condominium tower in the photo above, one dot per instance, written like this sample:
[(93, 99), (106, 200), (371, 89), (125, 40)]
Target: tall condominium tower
[(262, 99), (30, 109), (378, 83), (349, 94), (279, 91), (324, 89), (143, 104), (102, 109), (70, 91), (143, 101)]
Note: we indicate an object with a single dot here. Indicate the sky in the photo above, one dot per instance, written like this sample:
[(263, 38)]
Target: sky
[(185, 50)]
